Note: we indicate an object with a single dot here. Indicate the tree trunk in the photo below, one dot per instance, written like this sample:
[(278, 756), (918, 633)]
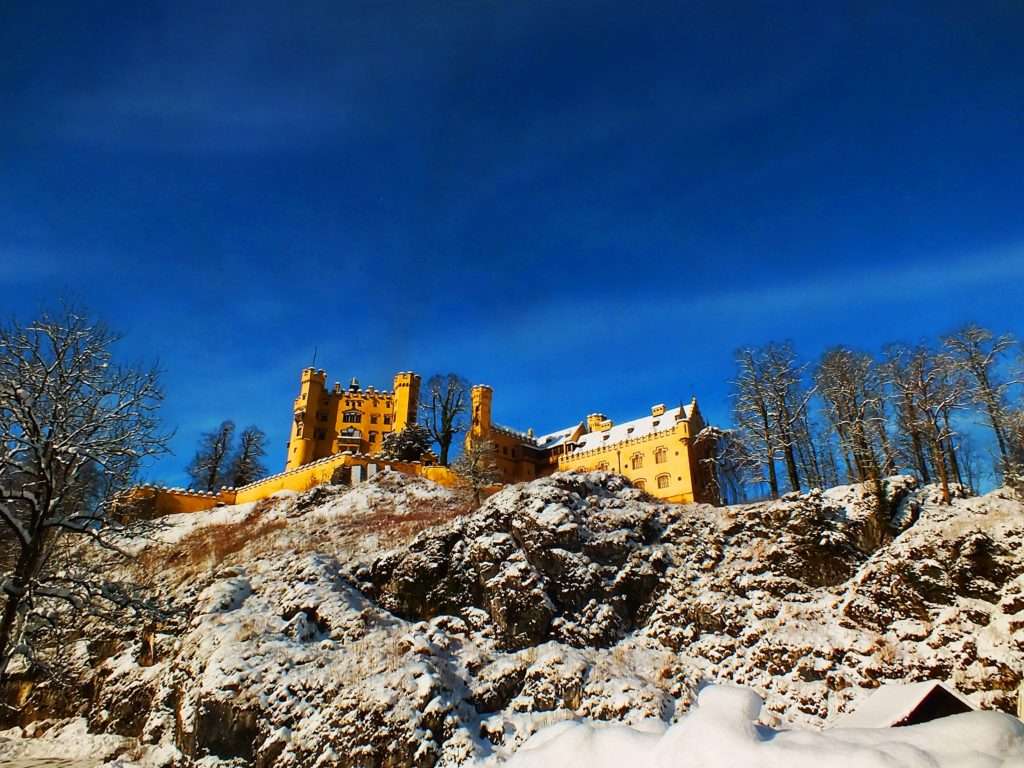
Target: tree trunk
[(992, 406), (791, 470), (953, 461), (28, 562), (939, 461), (848, 463), (889, 465), (922, 460), (773, 481)]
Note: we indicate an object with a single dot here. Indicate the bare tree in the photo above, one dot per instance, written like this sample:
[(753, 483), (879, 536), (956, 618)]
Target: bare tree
[(970, 463), (730, 463), (73, 428), (1013, 476), (752, 410), (246, 466), (850, 386), (936, 389), (445, 403), (209, 467), (898, 371), (477, 467), (976, 353), (788, 400)]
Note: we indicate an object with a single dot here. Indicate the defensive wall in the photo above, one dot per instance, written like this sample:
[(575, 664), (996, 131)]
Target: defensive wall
[(160, 501)]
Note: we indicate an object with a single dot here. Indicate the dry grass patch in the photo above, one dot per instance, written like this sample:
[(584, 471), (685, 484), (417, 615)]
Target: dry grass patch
[(206, 548)]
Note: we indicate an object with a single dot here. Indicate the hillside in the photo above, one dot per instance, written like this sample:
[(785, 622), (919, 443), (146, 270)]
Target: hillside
[(386, 625)]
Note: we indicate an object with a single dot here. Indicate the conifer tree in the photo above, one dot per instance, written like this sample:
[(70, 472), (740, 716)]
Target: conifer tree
[(410, 444)]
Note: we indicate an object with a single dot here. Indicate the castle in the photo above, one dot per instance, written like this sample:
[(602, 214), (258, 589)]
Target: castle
[(353, 419), (339, 433), (656, 452)]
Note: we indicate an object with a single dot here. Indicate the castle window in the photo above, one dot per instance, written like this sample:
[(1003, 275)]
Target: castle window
[(373, 419), (603, 466), (321, 416), (663, 481), (373, 437), (350, 432), (661, 455), (637, 461), (641, 484), (387, 419), (320, 434), (352, 417)]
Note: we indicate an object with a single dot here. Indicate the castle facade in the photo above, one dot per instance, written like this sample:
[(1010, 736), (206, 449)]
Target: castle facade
[(325, 423), (657, 452)]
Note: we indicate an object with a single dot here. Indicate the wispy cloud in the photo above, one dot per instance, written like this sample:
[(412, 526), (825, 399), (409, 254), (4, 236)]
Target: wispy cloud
[(872, 285), (19, 267), (612, 320)]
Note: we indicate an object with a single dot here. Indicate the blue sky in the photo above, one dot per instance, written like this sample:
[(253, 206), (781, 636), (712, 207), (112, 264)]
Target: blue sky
[(588, 205)]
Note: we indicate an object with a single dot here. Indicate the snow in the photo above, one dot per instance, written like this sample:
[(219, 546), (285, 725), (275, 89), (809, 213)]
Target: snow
[(631, 430), (180, 526), (553, 439), (722, 731), (891, 703), (792, 598)]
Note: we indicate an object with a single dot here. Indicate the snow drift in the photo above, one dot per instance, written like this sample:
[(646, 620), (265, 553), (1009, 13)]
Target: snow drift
[(721, 732)]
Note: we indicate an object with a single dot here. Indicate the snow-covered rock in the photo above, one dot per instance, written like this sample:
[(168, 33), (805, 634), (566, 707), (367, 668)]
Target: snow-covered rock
[(387, 625)]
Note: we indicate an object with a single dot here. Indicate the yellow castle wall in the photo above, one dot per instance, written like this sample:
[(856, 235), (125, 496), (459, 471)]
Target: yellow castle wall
[(169, 501), (683, 478), (623, 458), (319, 416)]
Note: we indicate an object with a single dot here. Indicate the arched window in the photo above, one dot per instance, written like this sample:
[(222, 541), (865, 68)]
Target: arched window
[(637, 461), (602, 467), (350, 432), (663, 481), (352, 417), (641, 484), (661, 455)]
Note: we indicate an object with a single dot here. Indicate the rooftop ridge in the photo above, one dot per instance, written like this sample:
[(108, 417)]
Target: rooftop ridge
[(604, 446)]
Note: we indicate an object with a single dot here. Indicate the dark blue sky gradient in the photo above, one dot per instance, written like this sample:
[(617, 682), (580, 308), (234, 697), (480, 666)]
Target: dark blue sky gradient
[(588, 205)]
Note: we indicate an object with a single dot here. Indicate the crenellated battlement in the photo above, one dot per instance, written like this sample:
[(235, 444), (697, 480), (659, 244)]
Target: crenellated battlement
[(168, 501)]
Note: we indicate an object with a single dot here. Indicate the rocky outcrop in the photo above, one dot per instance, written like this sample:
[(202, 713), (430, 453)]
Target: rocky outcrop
[(572, 558), (572, 596)]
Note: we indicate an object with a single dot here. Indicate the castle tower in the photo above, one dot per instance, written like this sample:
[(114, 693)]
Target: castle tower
[(407, 399), (481, 397), (301, 443)]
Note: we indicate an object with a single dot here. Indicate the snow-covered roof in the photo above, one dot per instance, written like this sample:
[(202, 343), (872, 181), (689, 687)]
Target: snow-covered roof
[(631, 430), (512, 431), (553, 439), (892, 703)]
